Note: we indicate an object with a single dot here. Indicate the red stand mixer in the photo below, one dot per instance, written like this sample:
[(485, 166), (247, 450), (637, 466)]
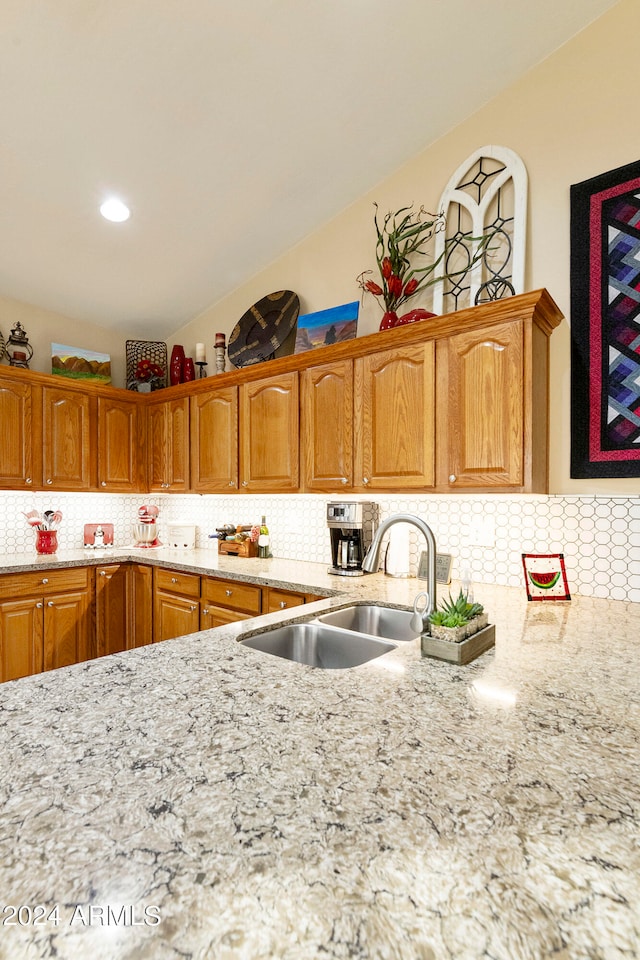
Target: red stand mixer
[(145, 531)]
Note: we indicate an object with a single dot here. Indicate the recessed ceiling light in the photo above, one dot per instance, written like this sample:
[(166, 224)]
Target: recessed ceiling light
[(115, 210)]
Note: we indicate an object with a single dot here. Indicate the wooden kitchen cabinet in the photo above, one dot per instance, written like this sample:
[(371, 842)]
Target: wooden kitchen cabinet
[(120, 445), (394, 415), (214, 441), (68, 425), (168, 443), (326, 426), (21, 638), (176, 604), (140, 604), (112, 608), (226, 601), (269, 434), (278, 599), (21, 447), (45, 622), (494, 435)]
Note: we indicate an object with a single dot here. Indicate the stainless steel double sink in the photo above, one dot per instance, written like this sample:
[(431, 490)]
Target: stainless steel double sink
[(339, 639)]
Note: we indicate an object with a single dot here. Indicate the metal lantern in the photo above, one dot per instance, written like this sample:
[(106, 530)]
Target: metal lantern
[(18, 348)]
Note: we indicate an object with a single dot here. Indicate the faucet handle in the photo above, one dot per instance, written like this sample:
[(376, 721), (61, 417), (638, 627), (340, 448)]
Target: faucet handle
[(417, 622)]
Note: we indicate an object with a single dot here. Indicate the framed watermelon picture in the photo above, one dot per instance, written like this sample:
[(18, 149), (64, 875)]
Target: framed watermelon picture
[(545, 576)]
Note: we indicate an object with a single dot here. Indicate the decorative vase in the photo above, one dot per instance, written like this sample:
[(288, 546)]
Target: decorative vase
[(188, 370), (46, 541), (389, 320), (413, 315), (175, 364)]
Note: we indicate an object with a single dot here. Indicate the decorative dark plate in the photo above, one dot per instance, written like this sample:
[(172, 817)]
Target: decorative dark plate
[(263, 328)]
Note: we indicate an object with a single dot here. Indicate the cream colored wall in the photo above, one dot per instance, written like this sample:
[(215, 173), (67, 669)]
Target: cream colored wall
[(569, 119), (43, 327)]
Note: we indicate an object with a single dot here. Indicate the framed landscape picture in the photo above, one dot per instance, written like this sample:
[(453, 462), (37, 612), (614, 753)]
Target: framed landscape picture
[(327, 326), (80, 364)]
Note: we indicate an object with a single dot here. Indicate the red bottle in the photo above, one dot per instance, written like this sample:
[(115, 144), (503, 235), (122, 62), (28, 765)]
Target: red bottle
[(175, 364)]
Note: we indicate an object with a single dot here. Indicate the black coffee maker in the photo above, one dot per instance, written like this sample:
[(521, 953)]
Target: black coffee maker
[(351, 528)]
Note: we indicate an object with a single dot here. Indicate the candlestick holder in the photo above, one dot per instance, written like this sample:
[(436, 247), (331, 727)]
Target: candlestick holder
[(201, 364), (220, 358)]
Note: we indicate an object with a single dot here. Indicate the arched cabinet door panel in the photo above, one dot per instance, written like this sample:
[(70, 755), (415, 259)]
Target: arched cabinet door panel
[(269, 434), (326, 429), (68, 425), (394, 406), (486, 407), (214, 441)]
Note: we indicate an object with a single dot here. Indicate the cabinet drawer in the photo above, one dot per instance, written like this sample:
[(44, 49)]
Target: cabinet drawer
[(174, 581), (283, 599), (245, 597), (44, 582)]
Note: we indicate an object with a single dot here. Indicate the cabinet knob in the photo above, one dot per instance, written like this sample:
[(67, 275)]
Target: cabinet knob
[(229, 592), (245, 483), (365, 480), (343, 479), (28, 480), (206, 611), (452, 478), (103, 573), (50, 603), (49, 480), (45, 579), (231, 483), (283, 604), (104, 483), (193, 607), (174, 579), (39, 606)]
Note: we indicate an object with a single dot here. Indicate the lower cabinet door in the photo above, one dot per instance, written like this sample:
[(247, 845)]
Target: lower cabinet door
[(67, 630), (212, 616), (174, 616), (141, 605), (21, 638), (112, 609)]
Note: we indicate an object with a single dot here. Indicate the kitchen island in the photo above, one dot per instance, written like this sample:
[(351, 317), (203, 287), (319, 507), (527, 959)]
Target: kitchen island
[(199, 799)]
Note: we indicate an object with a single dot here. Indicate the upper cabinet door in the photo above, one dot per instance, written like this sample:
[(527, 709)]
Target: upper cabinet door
[(68, 451), (119, 448), (486, 407), (214, 441), (168, 445), (178, 449), (269, 423), (157, 445), (326, 434), (17, 461), (394, 418)]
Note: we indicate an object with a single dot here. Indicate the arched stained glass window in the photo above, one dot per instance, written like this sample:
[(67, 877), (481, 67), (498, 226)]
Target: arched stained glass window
[(487, 192)]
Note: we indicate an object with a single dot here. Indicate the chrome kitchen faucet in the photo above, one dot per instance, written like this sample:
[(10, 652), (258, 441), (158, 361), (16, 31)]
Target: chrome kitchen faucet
[(371, 562)]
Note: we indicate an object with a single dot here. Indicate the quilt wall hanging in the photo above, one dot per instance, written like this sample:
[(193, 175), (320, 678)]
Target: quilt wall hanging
[(605, 325)]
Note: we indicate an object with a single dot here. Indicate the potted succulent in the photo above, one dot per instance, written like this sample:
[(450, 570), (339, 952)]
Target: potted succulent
[(458, 632), (457, 619)]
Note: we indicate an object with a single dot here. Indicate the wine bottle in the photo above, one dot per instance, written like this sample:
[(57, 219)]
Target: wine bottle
[(263, 540)]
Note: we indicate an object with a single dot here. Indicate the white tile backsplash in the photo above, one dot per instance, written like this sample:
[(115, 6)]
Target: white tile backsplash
[(599, 536)]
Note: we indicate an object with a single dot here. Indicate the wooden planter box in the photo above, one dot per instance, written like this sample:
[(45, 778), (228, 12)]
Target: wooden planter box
[(459, 645)]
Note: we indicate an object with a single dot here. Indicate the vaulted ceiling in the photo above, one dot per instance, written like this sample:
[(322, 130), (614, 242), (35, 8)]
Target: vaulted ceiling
[(232, 130)]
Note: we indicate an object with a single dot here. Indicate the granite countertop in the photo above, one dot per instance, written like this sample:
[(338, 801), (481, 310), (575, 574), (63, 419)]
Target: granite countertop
[(199, 799)]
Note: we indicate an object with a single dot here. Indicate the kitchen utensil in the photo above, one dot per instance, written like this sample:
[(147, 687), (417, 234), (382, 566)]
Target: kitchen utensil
[(417, 620)]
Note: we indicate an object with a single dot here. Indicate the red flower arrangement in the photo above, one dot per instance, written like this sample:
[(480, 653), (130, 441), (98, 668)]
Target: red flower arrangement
[(148, 370), (401, 240)]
